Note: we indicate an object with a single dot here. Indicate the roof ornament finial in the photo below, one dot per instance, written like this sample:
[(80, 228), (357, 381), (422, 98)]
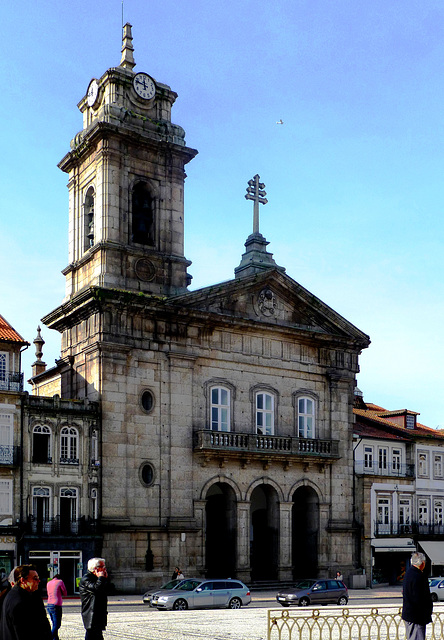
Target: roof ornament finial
[(39, 342), (255, 192), (127, 61), (256, 257)]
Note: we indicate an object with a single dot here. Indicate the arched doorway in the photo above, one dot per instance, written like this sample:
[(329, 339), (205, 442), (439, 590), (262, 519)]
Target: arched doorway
[(264, 533), (305, 527), (220, 531)]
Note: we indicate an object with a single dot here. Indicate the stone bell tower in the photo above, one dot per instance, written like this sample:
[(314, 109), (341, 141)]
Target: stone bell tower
[(126, 186)]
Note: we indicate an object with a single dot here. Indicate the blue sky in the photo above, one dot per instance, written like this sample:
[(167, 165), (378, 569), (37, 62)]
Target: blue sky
[(354, 176)]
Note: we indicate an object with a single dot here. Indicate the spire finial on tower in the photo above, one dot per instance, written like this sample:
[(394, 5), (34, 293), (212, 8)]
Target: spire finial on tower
[(255, 192), (127, 61)]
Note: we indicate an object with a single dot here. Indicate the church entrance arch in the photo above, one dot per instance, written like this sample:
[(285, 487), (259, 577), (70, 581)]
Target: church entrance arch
[(264, 533), (220, 531), (305, 527)]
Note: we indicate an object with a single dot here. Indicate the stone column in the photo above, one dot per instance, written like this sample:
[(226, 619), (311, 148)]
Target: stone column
[(199, 516), (285, 541), (243, 541)]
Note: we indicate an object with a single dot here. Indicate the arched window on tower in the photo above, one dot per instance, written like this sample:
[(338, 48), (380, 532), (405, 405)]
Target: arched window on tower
[(142, 215), (88, 218)]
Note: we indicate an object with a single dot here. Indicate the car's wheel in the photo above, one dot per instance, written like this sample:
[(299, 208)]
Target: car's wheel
[(235, 603), (304, 602), (283, 604), (342, 601), (180, 605), (434, 597)]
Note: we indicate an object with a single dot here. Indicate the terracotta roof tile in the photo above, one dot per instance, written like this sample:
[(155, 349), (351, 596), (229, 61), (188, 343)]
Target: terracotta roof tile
[(377, 416), (8, 333)]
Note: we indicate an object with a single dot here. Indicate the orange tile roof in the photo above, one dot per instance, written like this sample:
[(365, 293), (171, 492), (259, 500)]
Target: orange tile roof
[(8, 333), (376, 414)]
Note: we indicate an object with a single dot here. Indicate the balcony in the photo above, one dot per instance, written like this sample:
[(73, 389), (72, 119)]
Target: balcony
[(418, 528), (248, 446), (392, 470), (9, 455), (11, 381), (60, 526)]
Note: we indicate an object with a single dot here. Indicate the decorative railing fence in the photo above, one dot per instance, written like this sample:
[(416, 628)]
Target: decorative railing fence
[(345, 624)]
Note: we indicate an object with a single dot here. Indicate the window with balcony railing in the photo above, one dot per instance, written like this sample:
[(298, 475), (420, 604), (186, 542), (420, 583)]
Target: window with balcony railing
[(69, 438)]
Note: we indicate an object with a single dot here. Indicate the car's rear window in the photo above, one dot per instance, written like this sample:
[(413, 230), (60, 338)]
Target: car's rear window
[(235, 585)]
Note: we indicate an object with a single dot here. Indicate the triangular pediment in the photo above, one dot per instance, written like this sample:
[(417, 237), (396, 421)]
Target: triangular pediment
[(272, 298)]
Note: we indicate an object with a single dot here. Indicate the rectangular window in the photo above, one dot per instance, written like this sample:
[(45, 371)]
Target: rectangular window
[(423, 464), (368, 458), (6, 497), (264, 414), (382, 458), (220, 409), (404, 515), (423, 511), (438, 510), (306, 418), (396, 461), (383, 515), (438, 465), (6, 438), (3, 365)]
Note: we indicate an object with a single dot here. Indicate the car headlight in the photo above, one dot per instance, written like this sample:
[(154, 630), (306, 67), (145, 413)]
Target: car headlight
[(162, 599)]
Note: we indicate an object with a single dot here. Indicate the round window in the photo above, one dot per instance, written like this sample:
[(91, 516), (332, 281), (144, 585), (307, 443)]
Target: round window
[(147, 474), (147, 400)]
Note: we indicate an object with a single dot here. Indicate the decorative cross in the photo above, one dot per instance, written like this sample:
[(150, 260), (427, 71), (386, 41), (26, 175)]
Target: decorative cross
[(255, 192)]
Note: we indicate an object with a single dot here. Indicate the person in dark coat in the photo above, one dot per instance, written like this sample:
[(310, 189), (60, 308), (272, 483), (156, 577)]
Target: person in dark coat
[(417, 605), (24, 614), (93, 590)]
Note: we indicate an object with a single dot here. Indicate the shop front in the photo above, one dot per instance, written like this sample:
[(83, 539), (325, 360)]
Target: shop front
[(390, 559)]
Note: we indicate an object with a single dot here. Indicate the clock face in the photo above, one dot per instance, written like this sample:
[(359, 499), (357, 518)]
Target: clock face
[(92, 93), (144, 86)]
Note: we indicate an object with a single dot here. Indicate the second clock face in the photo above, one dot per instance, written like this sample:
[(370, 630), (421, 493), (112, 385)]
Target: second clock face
[(144, 86), (92, 93)]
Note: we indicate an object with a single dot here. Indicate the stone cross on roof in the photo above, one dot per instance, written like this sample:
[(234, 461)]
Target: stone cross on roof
[(255, 192)]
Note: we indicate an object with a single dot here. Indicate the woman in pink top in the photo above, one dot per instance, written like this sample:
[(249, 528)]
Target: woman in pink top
[(56, 590)]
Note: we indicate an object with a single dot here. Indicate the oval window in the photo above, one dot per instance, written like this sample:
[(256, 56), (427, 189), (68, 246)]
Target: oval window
[(147, 474), (147, 400)]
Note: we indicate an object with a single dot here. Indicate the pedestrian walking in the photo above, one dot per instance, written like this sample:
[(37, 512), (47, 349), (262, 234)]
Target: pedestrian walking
[(94, 600), (417, 602), (24, 614), (56, 590)]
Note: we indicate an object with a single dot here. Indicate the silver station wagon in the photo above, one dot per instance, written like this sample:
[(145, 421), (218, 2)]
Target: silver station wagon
[(306, 592), (195, 593)]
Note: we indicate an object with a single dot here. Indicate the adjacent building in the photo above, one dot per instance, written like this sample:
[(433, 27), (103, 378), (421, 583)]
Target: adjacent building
[(399, 491)]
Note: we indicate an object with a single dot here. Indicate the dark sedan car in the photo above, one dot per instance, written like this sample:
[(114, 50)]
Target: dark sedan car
[(306, 592)]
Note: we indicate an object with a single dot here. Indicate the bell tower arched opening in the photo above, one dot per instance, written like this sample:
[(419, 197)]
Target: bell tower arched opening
[(264, 533), (305, 527), (142, 215), (220, 531)]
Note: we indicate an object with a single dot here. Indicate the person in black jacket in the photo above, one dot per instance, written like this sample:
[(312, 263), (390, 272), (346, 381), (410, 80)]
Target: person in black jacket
[(93, 590), (24, 614), (417, 605)]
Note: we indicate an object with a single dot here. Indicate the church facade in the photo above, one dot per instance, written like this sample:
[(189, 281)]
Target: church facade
[(226, 413)]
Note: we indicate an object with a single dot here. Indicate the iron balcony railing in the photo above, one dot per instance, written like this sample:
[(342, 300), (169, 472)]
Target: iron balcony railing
[(396, 470), (411, 528), (354, 623), (9, 455), (248, 444), (61, 526), (11, 381)]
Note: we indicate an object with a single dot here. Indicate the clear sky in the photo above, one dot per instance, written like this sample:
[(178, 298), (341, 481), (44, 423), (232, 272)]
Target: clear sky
[(354, 176)]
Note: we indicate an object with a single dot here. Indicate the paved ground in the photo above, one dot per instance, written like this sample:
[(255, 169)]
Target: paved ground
[(129, 619)]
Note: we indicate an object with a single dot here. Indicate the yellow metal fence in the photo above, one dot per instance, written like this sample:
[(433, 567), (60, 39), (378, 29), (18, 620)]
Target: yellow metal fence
[(383, 623)]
